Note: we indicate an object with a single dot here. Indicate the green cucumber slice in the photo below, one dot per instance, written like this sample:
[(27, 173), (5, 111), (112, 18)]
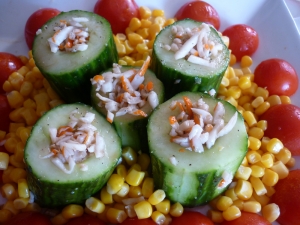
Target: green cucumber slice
[(132, 129), (195, 179), (51, 186), (181, 75), (69, 73)]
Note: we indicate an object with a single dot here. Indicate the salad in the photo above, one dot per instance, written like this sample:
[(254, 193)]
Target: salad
[(258, 104)]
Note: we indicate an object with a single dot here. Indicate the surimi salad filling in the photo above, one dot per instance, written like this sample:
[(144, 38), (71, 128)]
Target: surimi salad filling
[(70, 36), (194, 45), (73, 143), (195, 127), (125, 92)]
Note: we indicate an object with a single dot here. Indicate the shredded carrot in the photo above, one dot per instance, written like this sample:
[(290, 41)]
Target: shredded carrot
[(196, 119), (179, 104), (140, 113), (98, 77), (172, 139), (172, 120), (196, 53), (189, 105), (61, 47), (144, 67), (63, 129), (221, 182), (150, 86), (54, 151), (55, 34), (208, 127), (63, 21), (120, 98), (206, 46), (69, 44), (86, 138), (124, 84), (109, 119), (63, 150), (141, 87), (182, 150)]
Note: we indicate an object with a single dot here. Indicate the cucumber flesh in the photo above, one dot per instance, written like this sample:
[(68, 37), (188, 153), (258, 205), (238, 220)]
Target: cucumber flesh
[(51, 186), (196, 177), (132, 129), (69, 73), (181, 75)]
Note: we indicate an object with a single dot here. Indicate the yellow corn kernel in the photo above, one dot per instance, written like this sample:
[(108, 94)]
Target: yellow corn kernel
[(72, 211), (29, 115), (274, 100), (246, 61), (52, 94), (233, 81), (225, 82), (5, 215), (38, 84), (26, 88), (9, 205), (257, 101), (243, 172), (118, 199), (176, 209), (143, 209), (7, 87), (134, 24), (239, 203), (223, 203), (158, 12), (169, 22), (231, 194), (89, 212), (55, 103), (252, 206), (244, 99), (42, 103), (32, 207), (256, 132), (4, 160), (145, 23), (262, 124), (253, 157), (231, 213), (257, 171), (94, 205), (232, 101), (238, 72), (15, 162), (157, 197), (29, 103), (215, 216), (164, 206), (121, 170), (154, 29), (258, 186), (19, 153), (135, 177), (291, 163), (17, 173), (144, 32), (249, 118), (254, 143), (121, 49), (267, 160), (8, 191), (247, 73), (244, 82), (232, 60), (129, 155), (159, 20), (10, 144), (271, 212), (114, 183), (124, 190), (248, 107), (285, 99), (234, 91), (16, 79), (251, 90), (145, 12), (20, 203), (106, 197), (15, 99), (141, 48), (243, 189), (262, 199), (284, 155), (270, 177), (59, 220), (274, 145), (147, 187), (144, 161), (16, 115), (135, 39), (116, 216), (261, 92), (158, 217), (279, 168)]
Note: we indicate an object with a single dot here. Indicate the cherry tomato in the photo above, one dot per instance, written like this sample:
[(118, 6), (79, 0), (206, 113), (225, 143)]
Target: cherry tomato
[(199, 11), (191, 218), (287, 197), (85, 219), (243, 40), (4, 113), (8, 63), (277, 76), (32, 218), (284, 123), (248, 219), (36, 21), (118, 13), (136, 221)]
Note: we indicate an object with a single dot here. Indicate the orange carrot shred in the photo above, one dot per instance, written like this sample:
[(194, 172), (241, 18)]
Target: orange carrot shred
[(189, 105), (109, 120), (144, 67), (179, 104), (98, 77), (141, 87), (196, 119), (182, 150), (172, 120), (63, 129), (221, 182), (150, 86), (140, 113)]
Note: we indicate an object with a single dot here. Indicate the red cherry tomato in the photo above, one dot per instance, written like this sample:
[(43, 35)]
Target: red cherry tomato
[(284, 123), (4, 113), (136, 221), (199, 11), (191, 218), (36, 21), (8, 63), (277, 76), (248, 219), (32, 218), (287, 197), (118, 13), (243, 40), (85, 219)]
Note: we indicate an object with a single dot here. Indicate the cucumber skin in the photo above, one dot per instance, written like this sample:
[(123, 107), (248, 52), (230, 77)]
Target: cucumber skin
[(200, 187), (72, 87), (52, 194), (187, 83), (135, 131)]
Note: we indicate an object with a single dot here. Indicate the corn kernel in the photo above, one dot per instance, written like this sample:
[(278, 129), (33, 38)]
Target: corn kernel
[(145, 12), (243, 172), (252, 206), (176, 209), (157, 197), (271, 212), (270, 177), (143, 209), (279, 168), (114, 183), (274, 145), (134, 177), (215, 216), (223, 203), (72, 211), (285, 100), (231, 213), (95, 205), (147, 187), (4, 160), (284, 155), (243, 189)]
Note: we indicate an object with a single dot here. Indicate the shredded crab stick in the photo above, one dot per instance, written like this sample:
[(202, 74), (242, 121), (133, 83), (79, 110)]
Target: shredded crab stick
[(194, 45), (195, 126), (75, 142), (69, 36), (125, 92)]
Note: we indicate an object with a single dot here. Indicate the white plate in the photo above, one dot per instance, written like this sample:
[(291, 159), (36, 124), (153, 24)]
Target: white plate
[(278, 33)]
